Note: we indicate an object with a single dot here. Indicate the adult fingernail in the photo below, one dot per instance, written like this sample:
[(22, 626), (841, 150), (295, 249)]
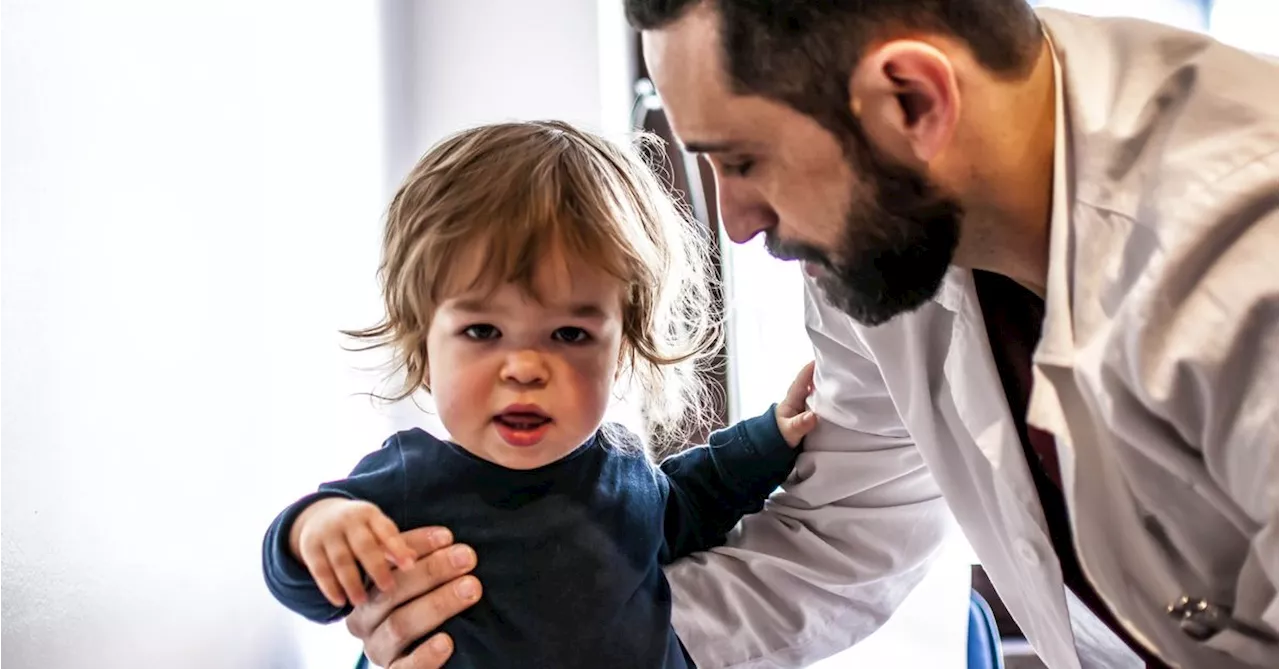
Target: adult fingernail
[(467, 588), (440, 538), (439, 644), (462, 557)]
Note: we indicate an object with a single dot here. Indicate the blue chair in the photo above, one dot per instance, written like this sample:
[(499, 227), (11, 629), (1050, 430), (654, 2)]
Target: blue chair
[(984, 638)]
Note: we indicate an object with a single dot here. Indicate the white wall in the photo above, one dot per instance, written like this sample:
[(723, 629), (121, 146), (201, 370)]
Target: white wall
[(191, 207)]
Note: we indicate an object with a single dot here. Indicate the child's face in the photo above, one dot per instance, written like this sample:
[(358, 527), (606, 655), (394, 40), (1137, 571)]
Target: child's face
[(523, 384)]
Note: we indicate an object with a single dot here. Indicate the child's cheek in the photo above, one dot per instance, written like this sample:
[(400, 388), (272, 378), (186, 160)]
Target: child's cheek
[(593, 380)]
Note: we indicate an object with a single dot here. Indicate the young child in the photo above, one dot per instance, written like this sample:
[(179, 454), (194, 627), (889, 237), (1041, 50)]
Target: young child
[(529, 270)]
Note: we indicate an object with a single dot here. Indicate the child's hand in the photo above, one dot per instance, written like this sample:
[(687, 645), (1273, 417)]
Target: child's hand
[(333, 534), (794, 419)]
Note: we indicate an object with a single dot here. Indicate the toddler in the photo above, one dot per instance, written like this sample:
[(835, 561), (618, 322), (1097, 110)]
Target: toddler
[(530, 270)]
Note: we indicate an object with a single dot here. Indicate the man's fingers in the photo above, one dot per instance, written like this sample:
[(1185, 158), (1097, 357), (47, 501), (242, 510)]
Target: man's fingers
[(372, 556), (417, 617), (430, 655), (424, 541), (427, 574), (388, 625), (344, 567)]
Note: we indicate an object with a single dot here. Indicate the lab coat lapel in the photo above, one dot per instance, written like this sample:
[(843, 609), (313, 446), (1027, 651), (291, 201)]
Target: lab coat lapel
[(981, 405), (1013, 504)]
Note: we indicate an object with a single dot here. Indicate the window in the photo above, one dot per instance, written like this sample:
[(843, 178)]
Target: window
[(1248, 24), (1186, 14)]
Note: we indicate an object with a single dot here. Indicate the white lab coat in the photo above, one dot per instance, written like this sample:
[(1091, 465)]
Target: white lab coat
[(1156, 373)]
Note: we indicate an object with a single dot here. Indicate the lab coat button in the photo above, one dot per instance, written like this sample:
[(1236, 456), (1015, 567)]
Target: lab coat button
[(1027, 552)]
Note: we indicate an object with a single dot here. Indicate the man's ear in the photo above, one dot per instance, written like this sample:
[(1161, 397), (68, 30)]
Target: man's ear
[(906, 97)]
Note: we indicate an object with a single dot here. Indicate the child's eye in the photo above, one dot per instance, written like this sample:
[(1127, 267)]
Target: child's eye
[(571, 335), (481, 332)]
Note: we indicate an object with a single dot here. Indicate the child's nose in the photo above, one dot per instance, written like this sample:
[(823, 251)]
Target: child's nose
[(525, 368)]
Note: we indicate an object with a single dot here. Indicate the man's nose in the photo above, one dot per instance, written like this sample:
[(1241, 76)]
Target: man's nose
[(742, 215), (525, 367)]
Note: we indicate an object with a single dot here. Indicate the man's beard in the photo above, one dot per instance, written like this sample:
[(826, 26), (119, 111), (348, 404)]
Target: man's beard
[(895, 247)]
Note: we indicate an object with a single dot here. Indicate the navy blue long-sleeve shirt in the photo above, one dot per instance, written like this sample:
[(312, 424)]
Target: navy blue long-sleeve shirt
[(571, 553)]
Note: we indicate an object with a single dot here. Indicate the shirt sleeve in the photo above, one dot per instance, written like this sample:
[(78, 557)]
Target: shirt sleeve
[(379, 478), (853, 531), (710, 488)]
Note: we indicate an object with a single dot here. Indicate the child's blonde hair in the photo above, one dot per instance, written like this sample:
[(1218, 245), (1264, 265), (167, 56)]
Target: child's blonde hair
[(524, 191)]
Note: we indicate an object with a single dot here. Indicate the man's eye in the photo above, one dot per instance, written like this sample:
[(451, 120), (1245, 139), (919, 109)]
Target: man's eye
[(481, 332), (739, 168), (570, 335)]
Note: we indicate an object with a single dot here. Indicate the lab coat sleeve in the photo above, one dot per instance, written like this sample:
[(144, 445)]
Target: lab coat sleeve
[(833, 554), (1206, 364)]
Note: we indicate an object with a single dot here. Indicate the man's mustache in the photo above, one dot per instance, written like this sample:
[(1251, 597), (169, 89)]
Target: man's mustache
[(784, 250)]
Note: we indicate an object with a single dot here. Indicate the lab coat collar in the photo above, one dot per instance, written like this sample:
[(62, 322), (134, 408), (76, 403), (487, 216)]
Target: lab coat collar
[(1057, 337), (1056, 349)]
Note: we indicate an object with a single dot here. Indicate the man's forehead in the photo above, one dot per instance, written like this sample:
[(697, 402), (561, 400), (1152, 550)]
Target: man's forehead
[(706, 116), (684, 61)]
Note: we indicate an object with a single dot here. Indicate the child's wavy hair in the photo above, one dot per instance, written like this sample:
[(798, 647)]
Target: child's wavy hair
[(524, 191)]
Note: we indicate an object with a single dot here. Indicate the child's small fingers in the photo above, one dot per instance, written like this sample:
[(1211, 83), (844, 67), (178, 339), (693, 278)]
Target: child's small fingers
[(344, 567), (370, 554), (799, 426), (326, 580), (396, 547), (801, 387)]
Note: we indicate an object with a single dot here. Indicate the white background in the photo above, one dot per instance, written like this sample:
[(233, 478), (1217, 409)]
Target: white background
[(192, 194)]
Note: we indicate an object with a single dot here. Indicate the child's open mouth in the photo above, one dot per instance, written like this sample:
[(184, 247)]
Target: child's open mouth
[(522, 426)]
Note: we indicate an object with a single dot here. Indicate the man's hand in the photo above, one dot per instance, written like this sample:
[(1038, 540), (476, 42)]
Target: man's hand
[(332, 536), (423, 597), (794, 418)]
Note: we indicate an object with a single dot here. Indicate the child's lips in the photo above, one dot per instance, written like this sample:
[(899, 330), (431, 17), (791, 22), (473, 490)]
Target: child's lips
[(522, 429), (522, 420)]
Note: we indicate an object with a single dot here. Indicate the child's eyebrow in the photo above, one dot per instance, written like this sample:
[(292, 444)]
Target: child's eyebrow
[(589, 310), (586, 310), (470, 305)]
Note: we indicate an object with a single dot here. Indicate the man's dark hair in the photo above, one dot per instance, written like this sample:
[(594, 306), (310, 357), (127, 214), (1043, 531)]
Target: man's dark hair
[(801, 52)]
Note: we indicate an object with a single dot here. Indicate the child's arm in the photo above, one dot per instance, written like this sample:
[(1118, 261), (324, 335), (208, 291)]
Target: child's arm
[(311, 552), (710, 488)]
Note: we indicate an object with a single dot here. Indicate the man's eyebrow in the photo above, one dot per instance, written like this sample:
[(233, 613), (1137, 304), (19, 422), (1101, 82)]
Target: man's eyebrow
[(696, 147)]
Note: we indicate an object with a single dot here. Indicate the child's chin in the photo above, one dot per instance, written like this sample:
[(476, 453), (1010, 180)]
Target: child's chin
[(531, 457)]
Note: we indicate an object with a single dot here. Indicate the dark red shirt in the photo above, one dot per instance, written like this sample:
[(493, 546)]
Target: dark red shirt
[(1013, 316)]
